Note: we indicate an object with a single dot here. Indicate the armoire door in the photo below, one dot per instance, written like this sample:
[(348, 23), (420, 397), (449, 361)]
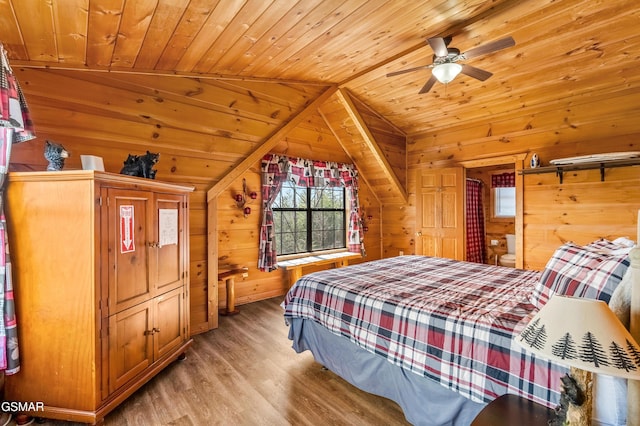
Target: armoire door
[(440, 213), (169, 322), (167, 256), (131, 236), (131, 335)]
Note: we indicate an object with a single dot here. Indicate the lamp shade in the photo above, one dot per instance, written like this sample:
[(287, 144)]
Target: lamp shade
[(582, 333), (446, 72)]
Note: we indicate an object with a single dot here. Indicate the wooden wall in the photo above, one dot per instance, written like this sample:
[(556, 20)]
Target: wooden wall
[(582, 208), (202, 129)]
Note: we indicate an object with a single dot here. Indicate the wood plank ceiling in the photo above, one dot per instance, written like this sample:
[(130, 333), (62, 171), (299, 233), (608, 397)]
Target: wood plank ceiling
[(289, 53)]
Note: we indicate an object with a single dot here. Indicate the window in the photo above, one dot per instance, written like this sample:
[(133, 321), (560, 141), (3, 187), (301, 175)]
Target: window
[(309, 219), (504, 202)]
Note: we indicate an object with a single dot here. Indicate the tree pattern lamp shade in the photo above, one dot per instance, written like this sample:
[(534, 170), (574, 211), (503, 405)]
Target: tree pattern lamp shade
[(582, 333)]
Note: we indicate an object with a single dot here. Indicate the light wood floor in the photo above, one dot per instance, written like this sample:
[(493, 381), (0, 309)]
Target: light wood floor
[(246, 373)]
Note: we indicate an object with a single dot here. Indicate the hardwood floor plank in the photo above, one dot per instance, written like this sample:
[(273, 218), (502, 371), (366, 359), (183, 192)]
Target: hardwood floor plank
[(246, 373)]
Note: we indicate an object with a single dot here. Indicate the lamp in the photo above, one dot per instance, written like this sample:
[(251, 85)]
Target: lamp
[(446, 72), (583, 334)]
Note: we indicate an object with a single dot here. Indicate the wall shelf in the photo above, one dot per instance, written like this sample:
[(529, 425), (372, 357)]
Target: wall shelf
[(560, 170)]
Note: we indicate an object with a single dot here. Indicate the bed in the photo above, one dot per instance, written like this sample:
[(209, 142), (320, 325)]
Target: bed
[(436, 335)]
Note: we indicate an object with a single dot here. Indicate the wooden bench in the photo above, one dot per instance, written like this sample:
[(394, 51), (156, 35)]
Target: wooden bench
[(229, 279), (294, 266)]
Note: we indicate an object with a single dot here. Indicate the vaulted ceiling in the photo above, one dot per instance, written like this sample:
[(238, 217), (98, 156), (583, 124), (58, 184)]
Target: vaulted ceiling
[(291, 53)]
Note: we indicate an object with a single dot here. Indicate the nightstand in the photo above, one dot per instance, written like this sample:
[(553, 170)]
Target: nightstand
[(509, 410)]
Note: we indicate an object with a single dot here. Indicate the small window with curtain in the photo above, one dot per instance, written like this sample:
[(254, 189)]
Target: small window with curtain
[(308, 219), (503, 196)]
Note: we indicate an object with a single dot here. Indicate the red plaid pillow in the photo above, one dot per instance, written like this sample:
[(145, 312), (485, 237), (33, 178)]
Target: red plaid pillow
[(574, 270)]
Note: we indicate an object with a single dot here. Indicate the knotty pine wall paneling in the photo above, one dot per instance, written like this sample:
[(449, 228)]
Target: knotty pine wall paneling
[(582, 211)]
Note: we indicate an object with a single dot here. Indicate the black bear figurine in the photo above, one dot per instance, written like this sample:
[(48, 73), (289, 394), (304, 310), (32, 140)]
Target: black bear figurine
[(141, 165), (55, 155)]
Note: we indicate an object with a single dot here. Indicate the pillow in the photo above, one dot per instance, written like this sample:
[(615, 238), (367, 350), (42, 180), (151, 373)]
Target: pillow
[(560, 275), (604, 278), (621, 245), (574, 270)]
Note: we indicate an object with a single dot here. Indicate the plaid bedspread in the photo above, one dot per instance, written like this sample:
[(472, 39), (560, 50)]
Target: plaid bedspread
[(447, 320)]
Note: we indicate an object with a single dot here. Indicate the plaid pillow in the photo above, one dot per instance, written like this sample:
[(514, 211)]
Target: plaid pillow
[(620, 245), (574, 270), (602, 280)]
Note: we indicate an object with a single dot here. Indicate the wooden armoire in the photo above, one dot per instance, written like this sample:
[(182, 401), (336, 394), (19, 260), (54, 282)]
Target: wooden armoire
[(100, 270)]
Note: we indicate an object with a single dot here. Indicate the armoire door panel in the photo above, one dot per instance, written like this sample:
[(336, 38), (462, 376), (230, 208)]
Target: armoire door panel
[(169, 321), (130, 344), (169, 261), (130, 235)]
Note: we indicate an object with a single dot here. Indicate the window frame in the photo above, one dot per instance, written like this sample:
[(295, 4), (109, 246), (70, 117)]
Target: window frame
[(309, 211)]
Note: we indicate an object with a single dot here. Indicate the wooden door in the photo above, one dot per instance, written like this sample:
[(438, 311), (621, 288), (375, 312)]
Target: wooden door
[(440, 213), (169, 322), (130, 227), (167, 255), (130, 343)]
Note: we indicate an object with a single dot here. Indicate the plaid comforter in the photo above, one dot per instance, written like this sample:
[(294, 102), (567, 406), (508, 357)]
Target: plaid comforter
[(450, 321)]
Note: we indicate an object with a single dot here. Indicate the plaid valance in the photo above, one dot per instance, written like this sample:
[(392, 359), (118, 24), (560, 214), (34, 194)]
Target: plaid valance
[(503, 180)]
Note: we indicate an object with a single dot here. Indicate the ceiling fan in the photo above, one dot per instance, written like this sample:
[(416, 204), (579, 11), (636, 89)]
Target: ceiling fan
[(445, 61)]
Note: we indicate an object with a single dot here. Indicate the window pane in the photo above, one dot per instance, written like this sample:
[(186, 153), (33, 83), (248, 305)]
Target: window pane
[(301, 198), (338, 199), (505, 202), (316, 198), (325, 207), (285, 198)]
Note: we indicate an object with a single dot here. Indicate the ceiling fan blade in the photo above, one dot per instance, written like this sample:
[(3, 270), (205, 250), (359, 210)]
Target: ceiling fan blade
[(439, 46), (493, 46), (476, 73), (428, 85), (391, 74)]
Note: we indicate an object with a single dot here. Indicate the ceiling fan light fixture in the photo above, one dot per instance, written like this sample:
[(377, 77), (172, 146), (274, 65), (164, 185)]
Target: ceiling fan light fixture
[(446, 72)]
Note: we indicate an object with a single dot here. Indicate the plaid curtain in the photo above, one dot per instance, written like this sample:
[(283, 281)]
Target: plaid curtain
[(15, 127), (305, 173), (476, 249), (275, 170), (503, 180)]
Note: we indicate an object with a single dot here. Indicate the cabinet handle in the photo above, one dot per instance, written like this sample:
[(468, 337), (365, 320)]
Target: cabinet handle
[(153, 244), (156, 330), (149, 332)]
